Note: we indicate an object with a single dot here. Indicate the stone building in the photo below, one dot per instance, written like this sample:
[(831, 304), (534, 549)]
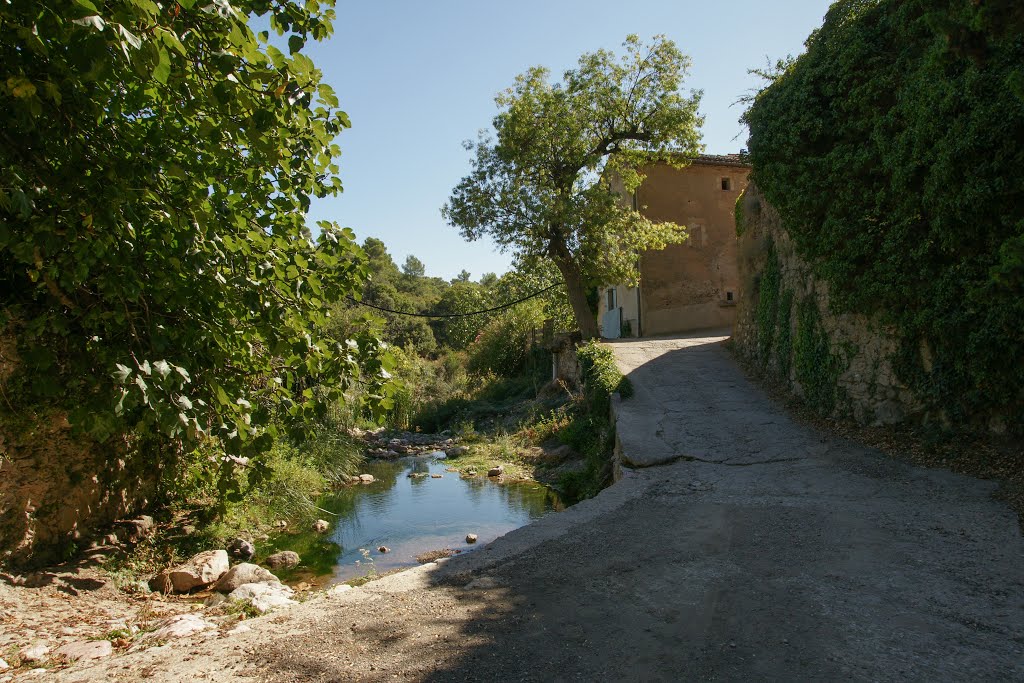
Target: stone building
[(689, 286)]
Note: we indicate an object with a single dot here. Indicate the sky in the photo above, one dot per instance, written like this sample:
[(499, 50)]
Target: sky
[(419, 78)]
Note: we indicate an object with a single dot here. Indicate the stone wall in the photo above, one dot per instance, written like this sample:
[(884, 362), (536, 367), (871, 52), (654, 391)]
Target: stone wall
[(56, 487), (839, 363)]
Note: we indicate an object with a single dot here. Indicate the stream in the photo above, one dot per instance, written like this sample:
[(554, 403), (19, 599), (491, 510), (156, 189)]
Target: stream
[(409, 515)]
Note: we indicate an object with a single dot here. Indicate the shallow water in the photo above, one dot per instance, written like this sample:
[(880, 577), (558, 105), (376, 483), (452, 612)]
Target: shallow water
[(410, 516)]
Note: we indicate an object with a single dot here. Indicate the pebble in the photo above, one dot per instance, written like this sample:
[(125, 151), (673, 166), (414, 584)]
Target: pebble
[(470, 538), (383, 549)]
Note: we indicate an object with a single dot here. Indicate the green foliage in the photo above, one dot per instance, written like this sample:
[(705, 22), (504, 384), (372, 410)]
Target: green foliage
[(890, 149), (543, 187), (817, 369), (784, 341), (738, 214), (768, 305), (601, 376), (504, 345), (155, 265)]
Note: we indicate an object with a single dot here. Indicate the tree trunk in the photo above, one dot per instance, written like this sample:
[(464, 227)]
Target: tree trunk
[(578, 297)]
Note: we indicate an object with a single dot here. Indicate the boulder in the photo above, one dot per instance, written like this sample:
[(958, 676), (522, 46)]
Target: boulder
[(321, 526), (366, 478), (4, 666), (436, 476), (84, 650), (283, 560), (134, 530), (263, 596), (33, 653), (496, 471), (470, 538), (456, 451), (241, 549), (201, 570), (161, 583), (242, 574)]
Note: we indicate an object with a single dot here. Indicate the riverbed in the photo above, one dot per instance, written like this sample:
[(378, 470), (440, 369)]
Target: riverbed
[(413, 506)]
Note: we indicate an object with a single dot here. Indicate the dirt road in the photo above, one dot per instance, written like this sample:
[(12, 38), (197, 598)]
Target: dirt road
[(748, 548)]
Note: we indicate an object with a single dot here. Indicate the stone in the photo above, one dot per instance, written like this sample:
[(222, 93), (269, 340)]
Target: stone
[(84, 650), (496, 471), (366, 478), (201, 570), (281, 524), (457, 451), (338, 589), (383, 549), (241, 628), (264, 597), (241, 549), (283, 560), (215, 600), (471, 473), (321, 526), (33, 653), (242, 574), (4, 666), (470, 538), (178, 627), (436, 476), (136, 529)]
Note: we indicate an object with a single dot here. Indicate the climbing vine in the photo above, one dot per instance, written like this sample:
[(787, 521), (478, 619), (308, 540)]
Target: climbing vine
[(768, 306), (890, 149), (817, 369), (784, 345)]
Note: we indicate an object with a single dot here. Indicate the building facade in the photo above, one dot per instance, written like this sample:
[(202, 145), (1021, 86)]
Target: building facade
[(689, 286)]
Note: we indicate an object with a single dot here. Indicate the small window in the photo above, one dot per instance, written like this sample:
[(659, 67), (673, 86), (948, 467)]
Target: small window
[(610, 299), (728, 296), (726, 183)]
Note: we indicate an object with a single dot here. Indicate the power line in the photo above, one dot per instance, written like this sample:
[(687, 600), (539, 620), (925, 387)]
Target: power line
[(454, 315)]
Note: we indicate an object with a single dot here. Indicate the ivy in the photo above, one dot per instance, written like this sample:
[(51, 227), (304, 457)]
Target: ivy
[(817, 369), (784, 345), (890, 149), (768, 305)]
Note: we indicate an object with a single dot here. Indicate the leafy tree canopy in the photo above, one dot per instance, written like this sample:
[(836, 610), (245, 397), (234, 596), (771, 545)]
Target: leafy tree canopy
[(414, 267), (549, 184), (158, 160)]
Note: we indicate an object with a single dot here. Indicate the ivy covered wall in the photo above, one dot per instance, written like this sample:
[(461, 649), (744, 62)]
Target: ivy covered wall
[(891, 151)]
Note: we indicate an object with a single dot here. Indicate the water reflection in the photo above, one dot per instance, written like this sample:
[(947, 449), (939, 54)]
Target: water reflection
[(411, 515)]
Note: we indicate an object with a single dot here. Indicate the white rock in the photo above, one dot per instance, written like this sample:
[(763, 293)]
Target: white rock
[(84, 650), (241, 628), (264, 596), (179, 626), (202, 570), (496, 471), (366, 478), (242, 574), (33, 653), (320, 526), (340, 589), (4, 666), (470, 538)]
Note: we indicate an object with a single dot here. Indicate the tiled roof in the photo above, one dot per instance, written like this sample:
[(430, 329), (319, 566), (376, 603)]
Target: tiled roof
[(722, 160)]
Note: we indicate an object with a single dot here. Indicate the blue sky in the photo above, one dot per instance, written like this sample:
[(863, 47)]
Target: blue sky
[(418, 78)]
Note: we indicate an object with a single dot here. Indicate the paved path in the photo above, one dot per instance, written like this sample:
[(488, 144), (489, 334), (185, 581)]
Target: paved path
[(763, 551)]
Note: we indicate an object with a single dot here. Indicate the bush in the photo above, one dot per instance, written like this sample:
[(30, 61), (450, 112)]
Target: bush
[(503, 346)]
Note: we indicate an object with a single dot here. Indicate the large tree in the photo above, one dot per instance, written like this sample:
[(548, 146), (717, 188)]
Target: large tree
[(554, 180), (156, 166)]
